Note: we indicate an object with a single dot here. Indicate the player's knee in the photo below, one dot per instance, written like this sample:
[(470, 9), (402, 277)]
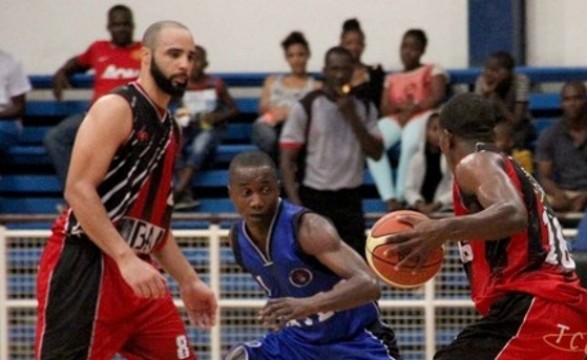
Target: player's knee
[(237, 353)]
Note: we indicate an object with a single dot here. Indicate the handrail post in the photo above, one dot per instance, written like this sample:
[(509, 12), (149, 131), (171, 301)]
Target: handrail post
[(4, 336), (214, 248)]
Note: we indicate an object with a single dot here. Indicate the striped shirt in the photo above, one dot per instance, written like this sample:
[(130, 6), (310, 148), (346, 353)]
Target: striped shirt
[(137, 188)]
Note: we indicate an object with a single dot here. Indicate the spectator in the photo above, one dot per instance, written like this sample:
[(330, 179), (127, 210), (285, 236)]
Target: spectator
[(336, 131), (207, 108), (14, 84), (367, 80), (408, 99), (561, 153), (509, 92), (505, 142), (281, 92), (429, 180), (114, 62)]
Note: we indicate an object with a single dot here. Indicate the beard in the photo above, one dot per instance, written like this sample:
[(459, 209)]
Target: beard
[(165, 83)]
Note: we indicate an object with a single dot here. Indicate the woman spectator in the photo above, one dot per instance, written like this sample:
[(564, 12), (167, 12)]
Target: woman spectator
[(281, 92), (367, 81), (409, 97), (510, 94)]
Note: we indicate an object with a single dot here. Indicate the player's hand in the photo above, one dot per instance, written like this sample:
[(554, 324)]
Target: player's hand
[(60, 82), (143, 278), (278, 312), (200, 303), (418, 243)]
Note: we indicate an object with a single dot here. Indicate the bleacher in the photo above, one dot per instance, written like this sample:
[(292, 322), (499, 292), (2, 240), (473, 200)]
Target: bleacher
[(29, 186)]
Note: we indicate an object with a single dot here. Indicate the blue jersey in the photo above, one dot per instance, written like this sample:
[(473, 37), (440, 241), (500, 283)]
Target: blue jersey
[(287, 271)]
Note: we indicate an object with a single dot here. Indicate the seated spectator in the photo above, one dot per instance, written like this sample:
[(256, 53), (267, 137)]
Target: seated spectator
[(561, 152), (429, 180), (505, 142), (14, 84), (367, 80), (509, 91), (281, 92), (115, 63), (409, 97), (207, 108)]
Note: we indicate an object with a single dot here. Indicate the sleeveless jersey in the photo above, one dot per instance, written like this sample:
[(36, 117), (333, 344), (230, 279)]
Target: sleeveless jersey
[(137, 188), (534, 261), (288, 272), (113, 65)]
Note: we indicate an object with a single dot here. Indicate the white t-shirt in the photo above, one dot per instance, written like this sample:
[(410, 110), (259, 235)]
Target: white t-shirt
[(13, 80)]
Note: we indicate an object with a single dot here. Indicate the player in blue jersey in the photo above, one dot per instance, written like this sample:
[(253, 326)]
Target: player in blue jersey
[(321, 293)]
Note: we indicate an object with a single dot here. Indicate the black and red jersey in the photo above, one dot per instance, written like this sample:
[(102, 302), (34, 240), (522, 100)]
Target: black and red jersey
[(534, 261), (137, 188)]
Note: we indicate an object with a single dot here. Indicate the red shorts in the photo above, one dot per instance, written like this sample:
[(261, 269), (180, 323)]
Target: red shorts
[(87, 311), (521, 326)]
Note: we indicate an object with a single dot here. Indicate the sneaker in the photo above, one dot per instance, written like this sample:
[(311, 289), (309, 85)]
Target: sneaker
[(184, 201)]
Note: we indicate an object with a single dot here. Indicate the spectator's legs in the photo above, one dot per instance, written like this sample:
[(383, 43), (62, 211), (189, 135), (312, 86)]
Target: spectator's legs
[(412, 137), (381, 169), (59, 143)]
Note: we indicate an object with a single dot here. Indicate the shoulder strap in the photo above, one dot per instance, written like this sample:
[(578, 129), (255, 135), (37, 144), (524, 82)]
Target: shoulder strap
[(232, 237), (307, 102)]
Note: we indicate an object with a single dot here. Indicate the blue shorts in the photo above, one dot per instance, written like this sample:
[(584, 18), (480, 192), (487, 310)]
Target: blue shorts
[(368, 345)]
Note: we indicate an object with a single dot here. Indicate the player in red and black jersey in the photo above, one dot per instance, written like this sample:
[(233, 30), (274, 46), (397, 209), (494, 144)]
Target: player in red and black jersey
[(97, 288), (521, 274)]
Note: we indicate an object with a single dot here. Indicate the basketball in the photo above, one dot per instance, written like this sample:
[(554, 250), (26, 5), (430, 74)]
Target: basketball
[(384, 264)]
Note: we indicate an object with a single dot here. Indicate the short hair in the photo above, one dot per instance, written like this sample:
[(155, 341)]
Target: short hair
[(420, 35), (251, 159), (469, 116), (338, 50), (202, 50), (295, 37), (579, 85), (504, 59), (119, 7), (352, 25), (151, 36)]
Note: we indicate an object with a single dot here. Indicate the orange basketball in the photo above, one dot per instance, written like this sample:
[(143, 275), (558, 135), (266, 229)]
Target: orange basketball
[(384, 264)]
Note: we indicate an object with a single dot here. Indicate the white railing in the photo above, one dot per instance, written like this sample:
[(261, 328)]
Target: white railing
[(427, 302)]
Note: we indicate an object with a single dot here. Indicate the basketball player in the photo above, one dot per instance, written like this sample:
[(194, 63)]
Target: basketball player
[(521, 274), (98, 291), (321, 292)]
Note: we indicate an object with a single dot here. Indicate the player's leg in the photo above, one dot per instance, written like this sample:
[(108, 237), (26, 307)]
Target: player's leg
[(512, 330), (272, 346), (159, 333), (68, 291), (551, 330)]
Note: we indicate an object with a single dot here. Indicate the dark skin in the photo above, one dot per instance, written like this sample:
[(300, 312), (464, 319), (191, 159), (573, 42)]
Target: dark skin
[(411, 52), (15, 109), (574, 104), (255, 193), (494, 82), (480, 174), (120, 26), (337, 73)]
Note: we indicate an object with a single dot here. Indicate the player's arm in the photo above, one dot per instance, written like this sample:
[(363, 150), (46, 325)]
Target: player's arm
[(318, 238), (502, 211), (105, 128), (198, 298)]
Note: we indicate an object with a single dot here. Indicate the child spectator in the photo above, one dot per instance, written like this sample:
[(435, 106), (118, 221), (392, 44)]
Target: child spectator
[(429, 180), (207, 108), (409, 97), (367, 80), (281, 92), (505, 142)]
